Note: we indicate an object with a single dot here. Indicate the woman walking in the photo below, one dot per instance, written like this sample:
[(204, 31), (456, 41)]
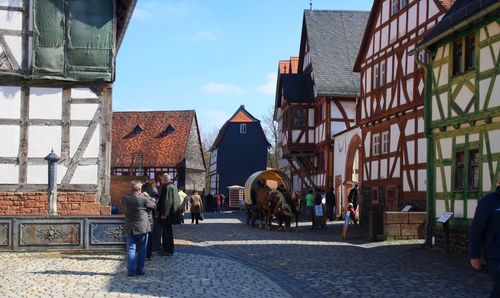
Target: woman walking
[(196, 207)]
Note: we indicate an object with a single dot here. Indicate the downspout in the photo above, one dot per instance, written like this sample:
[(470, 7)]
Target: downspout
[(429, 223)]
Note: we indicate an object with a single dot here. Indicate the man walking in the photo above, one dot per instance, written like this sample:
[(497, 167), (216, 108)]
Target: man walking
[(485, 230), (353, 196), (182, 202), (136, 227), (330, 202), (168, 207)]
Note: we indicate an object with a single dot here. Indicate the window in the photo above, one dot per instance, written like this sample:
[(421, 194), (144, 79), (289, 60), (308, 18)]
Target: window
[(137, 130), (459, 171), (376, 77), (473, 170), (243, 128), (376, 144), (170, 130), (382, 73), (299, 116), (395, 6), (457, 57), (403, 4), (470, 52), (385, 142)]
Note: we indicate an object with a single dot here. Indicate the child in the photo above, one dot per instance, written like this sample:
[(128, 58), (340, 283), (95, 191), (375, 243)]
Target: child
[(352, 213)]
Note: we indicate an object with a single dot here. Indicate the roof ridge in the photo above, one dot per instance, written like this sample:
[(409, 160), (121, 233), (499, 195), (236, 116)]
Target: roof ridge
[(155, 111), (336, 10)]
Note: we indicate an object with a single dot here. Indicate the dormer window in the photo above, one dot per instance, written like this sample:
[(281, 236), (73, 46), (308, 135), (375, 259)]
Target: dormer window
[(138, 129), (243, 128), (169, 130)]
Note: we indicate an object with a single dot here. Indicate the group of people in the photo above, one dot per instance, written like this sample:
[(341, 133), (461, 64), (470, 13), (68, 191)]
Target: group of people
[(150, 212), (215, 202)]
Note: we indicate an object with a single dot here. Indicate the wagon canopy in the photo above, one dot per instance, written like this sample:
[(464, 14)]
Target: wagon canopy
[(269, 174)]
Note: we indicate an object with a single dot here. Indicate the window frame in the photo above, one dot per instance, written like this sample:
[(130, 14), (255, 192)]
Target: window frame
[(464, 51), (459, 171), (383, 73), (376, 144), (385, 142), (394, 7), (473, 163), (376, 76), (243, 128), (296, 119), (470, 52)]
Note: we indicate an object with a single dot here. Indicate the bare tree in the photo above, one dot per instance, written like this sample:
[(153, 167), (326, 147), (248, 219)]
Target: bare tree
[(271, 130), (207, 140)]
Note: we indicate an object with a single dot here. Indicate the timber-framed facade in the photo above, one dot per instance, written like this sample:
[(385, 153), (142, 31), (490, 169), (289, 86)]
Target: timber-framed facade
[(51, 98), (391, 104), (462, 113)]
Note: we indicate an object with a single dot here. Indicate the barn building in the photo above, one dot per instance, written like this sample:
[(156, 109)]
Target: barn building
[(152, 143), (239, 150)]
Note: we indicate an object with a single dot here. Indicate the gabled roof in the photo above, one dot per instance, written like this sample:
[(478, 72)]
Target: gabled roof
[(370, 25), (240, 116), (461, 12), (159, 149), (124, 11), (333, 40), (297, 87)]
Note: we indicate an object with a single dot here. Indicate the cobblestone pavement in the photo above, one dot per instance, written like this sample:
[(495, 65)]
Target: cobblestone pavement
[(223, 257)]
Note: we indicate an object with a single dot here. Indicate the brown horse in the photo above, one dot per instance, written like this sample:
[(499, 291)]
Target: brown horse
[(262, 211), (281, 210)]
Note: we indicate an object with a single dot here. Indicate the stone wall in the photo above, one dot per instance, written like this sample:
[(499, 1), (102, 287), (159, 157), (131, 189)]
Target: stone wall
[(36, 203), (458, 241), (404, 225)]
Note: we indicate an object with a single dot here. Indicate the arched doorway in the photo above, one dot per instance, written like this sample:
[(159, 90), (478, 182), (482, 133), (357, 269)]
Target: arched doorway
[(352, 167)]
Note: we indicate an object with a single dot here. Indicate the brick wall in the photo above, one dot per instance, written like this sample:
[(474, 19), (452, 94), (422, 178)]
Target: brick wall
[(120, 186), (404, 225), (36, 203)]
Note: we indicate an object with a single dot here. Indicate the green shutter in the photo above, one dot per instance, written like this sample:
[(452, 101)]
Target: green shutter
[(48, 43)]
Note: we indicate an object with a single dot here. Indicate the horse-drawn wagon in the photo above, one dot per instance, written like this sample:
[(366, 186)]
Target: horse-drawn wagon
[(269, 197)]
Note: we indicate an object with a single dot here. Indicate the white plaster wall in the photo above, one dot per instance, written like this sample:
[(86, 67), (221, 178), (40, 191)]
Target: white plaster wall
[(37, 174), (376, 40), (411, 152), (433, 9), (495, 95), (85, 175), (15, 45), (483, 90), (435, 109), (83, 111), (335, 112), (422, 179), (440, 207), (447, 173), (402, 24), (9, 174), (410, 127), (388, 97), (10, 102), (385, 36), (383, 168), (473, 137), (422, 11), (485, 59), (12, 3), (311, 117), (412, 18), (374, 169), (45, 103), (311, 135), (82, 93), (494, 141), (394, 30), (76, 136), (406, 185), (459, 209), (366, 144), (420, 124), (385, 11), (439, 181), (486, 177), (397, 169), (368, 80), (422, 150), (350, 109), (337, 127), (460, 140), (10, 141), (471, 208), (295, 135), (11, 20), (42, 139)]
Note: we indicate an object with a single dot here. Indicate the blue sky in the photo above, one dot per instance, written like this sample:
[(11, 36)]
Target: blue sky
[(210, 55)]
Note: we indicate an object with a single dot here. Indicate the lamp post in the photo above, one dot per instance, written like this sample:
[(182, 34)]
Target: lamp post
[(52, 160)]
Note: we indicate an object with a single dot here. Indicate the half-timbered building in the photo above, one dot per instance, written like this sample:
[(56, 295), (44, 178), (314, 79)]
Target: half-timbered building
[(152, 143), (462, 107), (239, 150), (391, 103), (320, 99), (57, 66)]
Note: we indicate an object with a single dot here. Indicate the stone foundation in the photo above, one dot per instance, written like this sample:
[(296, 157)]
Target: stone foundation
[(459, 241), (404, 225), (36, 203)]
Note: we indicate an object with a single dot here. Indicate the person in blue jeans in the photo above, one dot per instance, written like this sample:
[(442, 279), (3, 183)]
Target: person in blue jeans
[(136, 227)]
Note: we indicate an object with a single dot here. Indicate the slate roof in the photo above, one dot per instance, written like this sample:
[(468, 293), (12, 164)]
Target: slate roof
[(334, 38), (159, 149), (297, 87), (461, 11)]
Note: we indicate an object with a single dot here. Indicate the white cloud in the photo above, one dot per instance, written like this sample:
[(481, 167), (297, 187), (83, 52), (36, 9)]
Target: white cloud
[(214, 119), (148, 8), (269, 88), (142, 13), (218, 88), (201, 36)]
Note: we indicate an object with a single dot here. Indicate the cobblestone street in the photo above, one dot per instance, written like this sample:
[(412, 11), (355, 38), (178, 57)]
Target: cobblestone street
[(223, 257)]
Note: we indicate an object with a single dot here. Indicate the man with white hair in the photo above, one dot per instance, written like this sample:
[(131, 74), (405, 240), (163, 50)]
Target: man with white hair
[(136, 227), (485, 230), (168, 211)]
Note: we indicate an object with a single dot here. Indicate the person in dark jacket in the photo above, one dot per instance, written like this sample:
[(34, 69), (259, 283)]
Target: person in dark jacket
[(353, 196), (485, 231), (168, 207), (136, 227), (149, 189), (330, 202)]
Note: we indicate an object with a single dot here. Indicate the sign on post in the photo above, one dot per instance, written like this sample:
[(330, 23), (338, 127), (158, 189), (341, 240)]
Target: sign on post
[(406, 208), (444, 217)]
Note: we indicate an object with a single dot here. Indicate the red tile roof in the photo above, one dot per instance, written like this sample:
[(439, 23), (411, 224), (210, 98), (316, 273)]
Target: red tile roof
[(158, 148)]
